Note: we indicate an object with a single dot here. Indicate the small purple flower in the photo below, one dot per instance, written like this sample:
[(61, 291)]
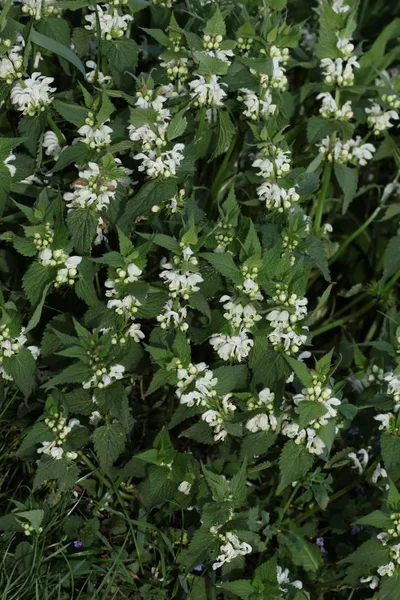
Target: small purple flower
[(78, 544), (356, 529), (354, 431), (359, 490), (320, 543), (199, 568)]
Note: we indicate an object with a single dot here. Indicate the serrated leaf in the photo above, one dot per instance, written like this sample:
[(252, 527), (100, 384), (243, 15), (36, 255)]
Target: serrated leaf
[(21, 367), (347, 178), (390, 448), (109, 442), (82, 225), (294, 463)]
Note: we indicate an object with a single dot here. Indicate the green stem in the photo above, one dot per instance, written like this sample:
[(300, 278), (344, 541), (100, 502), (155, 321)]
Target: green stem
[(288, 503), (354, 235), (229, 159), (51, 123), (322, 196), (200, 128)]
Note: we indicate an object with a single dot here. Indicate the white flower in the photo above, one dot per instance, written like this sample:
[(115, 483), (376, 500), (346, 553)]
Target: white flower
[(33, 95), (262, 422), (282, 576), (344, 46), (232, 347), (96, 137), (38, 8), (384, 420), (339, 8), (231, 549), (173, 318), (378, 473), (372, 580), (339, 71), (388, 569), (330, 109), (10, 158), (103, 377), (277, 164), (163, 165), (112, 24), (51, 449), (135, 332), (11, 64), (51, 144), (185, 487), (255, 107), (95, 76), (277, 198), (207, 93), (95, 418), (360, 459), (380, 119)]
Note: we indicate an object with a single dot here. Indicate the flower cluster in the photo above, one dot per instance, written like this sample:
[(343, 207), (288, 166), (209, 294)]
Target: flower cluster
[(11, 344), (112, 24), (31, 96), (60, 429), (230, 549)]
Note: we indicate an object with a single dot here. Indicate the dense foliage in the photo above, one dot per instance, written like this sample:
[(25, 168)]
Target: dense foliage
[(199, 337)]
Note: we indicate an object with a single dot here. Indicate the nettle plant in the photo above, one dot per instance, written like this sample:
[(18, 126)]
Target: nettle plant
[(188, 191)]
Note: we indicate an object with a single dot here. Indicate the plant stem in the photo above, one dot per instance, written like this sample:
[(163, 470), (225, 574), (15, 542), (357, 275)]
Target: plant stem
[(289, 502), (202, 121), (321, 198), (354, 235)]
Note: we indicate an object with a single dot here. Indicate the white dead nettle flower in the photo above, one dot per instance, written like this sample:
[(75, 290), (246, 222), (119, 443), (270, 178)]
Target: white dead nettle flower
[(329, 108), (177, 68), (51, 145), (385, 420), (185, 487), (112, 24), (360, 459), (256, 108), (339, 7), (379, 473), (344, 46), (126, 306), (67, 265), (163, 164), (339, 72), (307, 437), (39, 8), (207, 93), (231, 549), (262, 422), (379, 119), (276, 197), (212, 47), (281, 55), (7, 163), (32, 95), (282, 576), (277, 80), (239, 314), (96, 137), (180, 276), (232, 347), (61, 430), (11, 345), (196, 385), (273, 163), (136, 333), (321, 393), (393, 388), (216, 416), (372, 581), (352, 151), (94, 76), (265, 421), (174, 316), (11, 63), (104, 376), (94, 188), (151, 136), (95, 418)]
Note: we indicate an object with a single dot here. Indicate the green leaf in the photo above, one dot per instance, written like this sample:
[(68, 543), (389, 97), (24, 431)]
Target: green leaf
[(310, 411), (216, 25), (35, 318), (304, 554), (122, 56), (370, 554), (294, 463), (391, 258), (390, 448), (82, 225), (177, 126), (21, 367), (389, 589), (151, 193), (347, 178), (78, 153), (224, 264), (37, 434), (73, 113), (300, 370), (231, 379), (53, 46), (201, 548), (35, 517), (76, 373), (240, 587), (65, 473), (109, 442), (376, 519), (159, 36)]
